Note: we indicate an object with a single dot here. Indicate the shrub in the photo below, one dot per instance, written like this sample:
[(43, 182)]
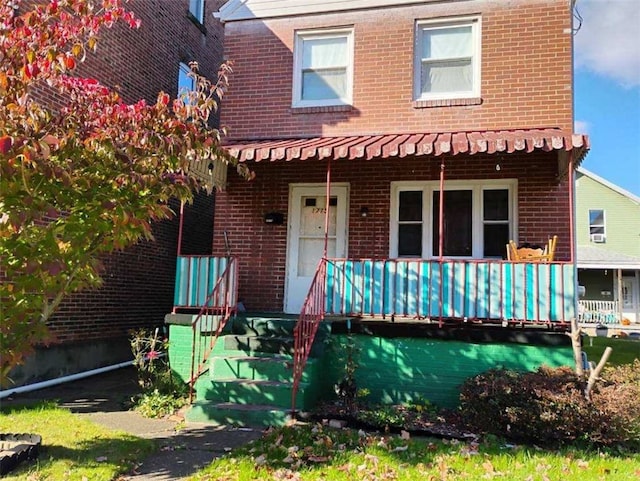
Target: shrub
[(549, 406), (163, 393)]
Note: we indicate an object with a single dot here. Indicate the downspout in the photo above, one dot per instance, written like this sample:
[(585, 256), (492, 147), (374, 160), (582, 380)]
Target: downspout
[(63, 379)]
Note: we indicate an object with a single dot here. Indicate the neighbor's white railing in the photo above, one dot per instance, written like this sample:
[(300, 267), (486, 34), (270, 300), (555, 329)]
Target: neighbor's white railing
[(598, 312)]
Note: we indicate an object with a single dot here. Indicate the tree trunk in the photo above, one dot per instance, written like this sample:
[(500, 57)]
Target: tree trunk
[(595, 373), (576, 343)]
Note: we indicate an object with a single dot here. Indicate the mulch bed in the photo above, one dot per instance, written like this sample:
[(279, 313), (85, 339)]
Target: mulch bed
[(445, 425)]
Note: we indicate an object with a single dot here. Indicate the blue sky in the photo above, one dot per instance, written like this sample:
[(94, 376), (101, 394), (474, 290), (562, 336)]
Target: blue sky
[(607, 88)]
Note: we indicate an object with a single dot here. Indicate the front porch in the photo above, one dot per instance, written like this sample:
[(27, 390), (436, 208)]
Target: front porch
[(422, 327)]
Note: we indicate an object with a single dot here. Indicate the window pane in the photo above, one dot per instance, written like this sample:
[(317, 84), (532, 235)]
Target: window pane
[(310, 252), (458, 235), (324, 85), (410, 206), (410, 240), (185, 83), (443, 43), (496, 237), (452, 76), (596, 217), (324, 52), (196, 9), (496, 204)]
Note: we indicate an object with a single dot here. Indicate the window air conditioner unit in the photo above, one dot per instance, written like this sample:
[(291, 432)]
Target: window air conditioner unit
[(599, 238)]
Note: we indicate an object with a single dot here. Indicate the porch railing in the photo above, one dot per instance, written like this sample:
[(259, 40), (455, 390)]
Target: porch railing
[(451, 289), (216, 309), (196, 277), (598, 312), (304, 333)]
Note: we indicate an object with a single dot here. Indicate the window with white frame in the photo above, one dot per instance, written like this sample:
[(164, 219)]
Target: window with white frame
[(323, 68), (478, 219), (186, 83), (196, 8), (597, 229), (447, 59)]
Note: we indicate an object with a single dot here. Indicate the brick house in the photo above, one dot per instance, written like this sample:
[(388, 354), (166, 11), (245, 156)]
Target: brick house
[(398, 147), (91, 327)]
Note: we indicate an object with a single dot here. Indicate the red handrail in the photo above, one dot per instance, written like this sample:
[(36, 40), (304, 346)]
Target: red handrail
[(311, 315), (222, 301)]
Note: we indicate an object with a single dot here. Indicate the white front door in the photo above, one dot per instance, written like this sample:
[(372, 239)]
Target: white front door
[(630, 298), (305, 243)]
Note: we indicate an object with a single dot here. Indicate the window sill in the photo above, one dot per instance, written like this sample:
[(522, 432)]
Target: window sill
[(197, 22), (321, 109), (425, 104)]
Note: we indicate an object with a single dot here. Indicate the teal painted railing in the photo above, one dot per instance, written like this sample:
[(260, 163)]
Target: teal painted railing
[(196, 277), (466, 289)]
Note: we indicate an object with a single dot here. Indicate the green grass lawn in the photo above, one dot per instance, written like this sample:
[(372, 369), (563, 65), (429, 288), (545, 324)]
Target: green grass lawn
[(72, 448), (320, 453), (624, 350)]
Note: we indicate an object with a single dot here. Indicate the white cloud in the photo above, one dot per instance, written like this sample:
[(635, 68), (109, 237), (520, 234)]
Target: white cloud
[(608, 42), (581, 127)]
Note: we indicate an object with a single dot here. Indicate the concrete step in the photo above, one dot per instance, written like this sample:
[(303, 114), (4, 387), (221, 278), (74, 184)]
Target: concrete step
[(271, 325), (243, 391), (232, 414), (269, 344), (276, 367)]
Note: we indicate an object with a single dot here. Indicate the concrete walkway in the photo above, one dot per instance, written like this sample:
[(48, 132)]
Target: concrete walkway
[(183, 448)]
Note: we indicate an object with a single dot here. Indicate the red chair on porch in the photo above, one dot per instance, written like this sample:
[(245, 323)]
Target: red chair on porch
[(530, 254)]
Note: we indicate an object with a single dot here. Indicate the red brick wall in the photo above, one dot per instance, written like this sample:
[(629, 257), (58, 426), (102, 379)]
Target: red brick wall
[(543, 209), (138, 283), (526, 72)]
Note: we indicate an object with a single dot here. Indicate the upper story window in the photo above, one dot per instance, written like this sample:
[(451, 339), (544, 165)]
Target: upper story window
[(323, 68), (196, 8), (478, 219), (186, 83), (597, 231), (447, 59)]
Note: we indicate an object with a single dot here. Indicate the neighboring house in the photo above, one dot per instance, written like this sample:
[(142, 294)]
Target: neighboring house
[(608, 239), (91, 327), (398, 146)]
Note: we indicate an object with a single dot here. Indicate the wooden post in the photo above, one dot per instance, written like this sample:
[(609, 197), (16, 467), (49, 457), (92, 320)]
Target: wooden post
[(620, 296)]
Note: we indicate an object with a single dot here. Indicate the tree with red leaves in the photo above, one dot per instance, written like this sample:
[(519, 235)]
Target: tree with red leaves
[(84, 180)]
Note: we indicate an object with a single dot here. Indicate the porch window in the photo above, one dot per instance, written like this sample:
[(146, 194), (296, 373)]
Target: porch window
[(323, 68), (447, 59), (196, 8), (478, 219)]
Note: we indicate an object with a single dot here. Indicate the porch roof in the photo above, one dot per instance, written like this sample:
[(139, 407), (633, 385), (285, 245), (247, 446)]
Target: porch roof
[(385, 146)]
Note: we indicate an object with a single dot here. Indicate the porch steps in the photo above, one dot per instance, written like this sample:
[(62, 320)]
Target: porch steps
[(249, 377)]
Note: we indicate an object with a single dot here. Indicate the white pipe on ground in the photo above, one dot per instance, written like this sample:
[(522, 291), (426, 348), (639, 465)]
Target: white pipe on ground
[(63, 379)]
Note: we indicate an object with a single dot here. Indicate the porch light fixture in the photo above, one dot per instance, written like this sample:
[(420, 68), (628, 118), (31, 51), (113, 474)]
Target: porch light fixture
[(364, 211), (498, 167)]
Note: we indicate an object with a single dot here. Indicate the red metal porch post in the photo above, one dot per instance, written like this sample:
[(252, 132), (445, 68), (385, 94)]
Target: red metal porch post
[(572, 201), (441, 239), (181, 224), (441, 216), (326, 210)]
